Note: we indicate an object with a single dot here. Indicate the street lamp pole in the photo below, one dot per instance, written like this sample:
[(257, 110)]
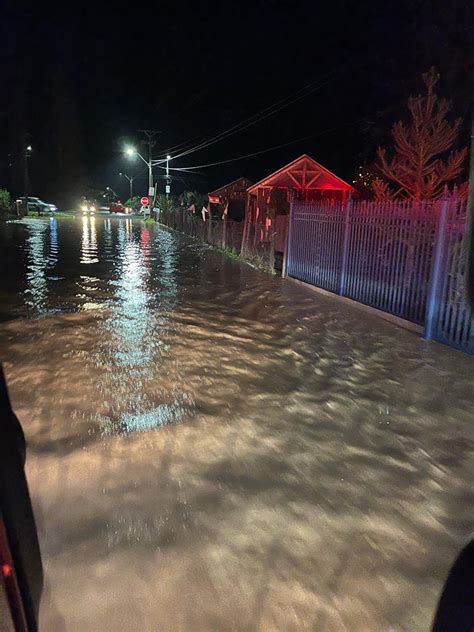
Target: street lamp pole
[(130, 180), (168, 179), (150, 135), (130, 151), (26, 183), (28, 151), (150, 170), (110, 192)]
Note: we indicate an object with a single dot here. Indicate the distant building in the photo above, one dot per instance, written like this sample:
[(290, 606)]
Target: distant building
[(230, 200)]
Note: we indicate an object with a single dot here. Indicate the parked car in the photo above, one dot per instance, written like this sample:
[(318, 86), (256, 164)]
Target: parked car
[(35, 204), (118, 207)]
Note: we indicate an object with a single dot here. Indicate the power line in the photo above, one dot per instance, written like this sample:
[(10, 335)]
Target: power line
[(264, 151), (181, 169), (261, 115), (269, 111), (183, 144)]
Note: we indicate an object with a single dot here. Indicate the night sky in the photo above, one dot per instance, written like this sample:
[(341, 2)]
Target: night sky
[(78, 82)]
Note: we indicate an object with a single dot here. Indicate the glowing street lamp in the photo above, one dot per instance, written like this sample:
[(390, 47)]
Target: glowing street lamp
[(131, 151)]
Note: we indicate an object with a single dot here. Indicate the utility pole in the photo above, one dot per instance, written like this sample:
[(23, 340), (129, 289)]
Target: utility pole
[(28, 150), (150, 135), (168, 179)]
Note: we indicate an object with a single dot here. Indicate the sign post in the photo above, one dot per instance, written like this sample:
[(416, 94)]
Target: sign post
[(145, 202)]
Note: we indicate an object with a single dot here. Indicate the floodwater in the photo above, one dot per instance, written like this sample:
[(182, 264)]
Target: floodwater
[(211, 448)]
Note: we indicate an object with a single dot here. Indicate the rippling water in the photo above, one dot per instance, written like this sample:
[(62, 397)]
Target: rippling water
[(211, 448)]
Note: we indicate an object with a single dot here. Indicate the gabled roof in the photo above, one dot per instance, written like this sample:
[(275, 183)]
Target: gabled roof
[(239, 184), (303, 174)]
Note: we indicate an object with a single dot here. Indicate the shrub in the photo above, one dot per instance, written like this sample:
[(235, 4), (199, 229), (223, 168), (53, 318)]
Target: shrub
[(5, 201)]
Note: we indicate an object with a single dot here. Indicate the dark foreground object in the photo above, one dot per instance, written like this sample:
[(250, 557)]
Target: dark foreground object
[(456, 606), (22, 572)]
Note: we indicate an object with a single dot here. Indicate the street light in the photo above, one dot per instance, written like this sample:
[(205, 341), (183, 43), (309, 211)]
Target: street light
[(130, 179), (109, 194), (28, 151), (131, 151)]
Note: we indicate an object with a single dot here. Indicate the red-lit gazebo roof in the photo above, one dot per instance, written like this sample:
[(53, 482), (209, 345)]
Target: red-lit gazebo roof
[(303, 174)]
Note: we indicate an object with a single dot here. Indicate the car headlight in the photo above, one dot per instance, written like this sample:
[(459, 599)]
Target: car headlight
[(84, 208), (92, 209)]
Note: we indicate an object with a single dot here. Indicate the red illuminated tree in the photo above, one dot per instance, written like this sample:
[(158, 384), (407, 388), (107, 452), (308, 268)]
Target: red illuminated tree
[(382, 191), (424, 160)]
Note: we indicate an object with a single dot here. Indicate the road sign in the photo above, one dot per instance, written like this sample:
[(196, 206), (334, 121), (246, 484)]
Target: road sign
[(168, 188), (151, 190), (144, 201)]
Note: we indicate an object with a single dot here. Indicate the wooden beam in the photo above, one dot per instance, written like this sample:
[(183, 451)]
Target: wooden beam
[(298, 184), (316, 177), (248, 214)]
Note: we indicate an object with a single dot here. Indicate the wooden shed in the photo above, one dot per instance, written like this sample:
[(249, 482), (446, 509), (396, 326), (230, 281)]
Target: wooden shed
[(268, 201), (230, 200)]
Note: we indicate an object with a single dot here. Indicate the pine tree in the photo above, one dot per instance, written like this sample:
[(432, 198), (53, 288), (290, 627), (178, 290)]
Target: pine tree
[(423, 162), (382, 191)]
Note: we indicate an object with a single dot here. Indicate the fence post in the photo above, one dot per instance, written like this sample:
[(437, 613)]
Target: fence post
[(271, 255), (284, 266), (433, 288), (224, 232), (345, 247), (209, 226)]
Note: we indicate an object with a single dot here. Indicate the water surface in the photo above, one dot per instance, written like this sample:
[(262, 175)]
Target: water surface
[(211, 448)]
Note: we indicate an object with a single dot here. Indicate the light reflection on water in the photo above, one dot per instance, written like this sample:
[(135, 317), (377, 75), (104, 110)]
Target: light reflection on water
[(156, 417), (108, 243), (133, 331), (37, 290), (125, 273), (53, 242), (89, 252), (132, 317)]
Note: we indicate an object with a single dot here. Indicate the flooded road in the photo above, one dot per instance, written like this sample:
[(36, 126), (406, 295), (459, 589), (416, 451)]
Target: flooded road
[(211, 448)]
